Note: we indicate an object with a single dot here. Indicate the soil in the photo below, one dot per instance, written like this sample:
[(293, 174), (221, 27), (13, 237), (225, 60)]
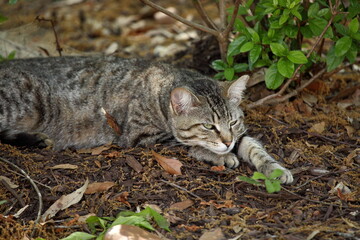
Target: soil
[(316, 135)]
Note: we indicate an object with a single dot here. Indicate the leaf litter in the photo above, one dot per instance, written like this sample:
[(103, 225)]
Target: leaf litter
[(315, 135)]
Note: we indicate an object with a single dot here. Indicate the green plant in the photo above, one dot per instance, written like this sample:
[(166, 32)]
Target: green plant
[(102, 224), (272, 183), (271, 34), (10, 56)]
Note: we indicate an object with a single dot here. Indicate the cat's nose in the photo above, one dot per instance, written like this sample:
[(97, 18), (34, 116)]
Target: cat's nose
[(227, 144)]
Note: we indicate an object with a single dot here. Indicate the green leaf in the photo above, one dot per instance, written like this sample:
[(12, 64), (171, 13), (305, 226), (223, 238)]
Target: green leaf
[(341, 29), (219, 65), (2, 202), (306, 32), (278, 49), (229, 73), (273, 79), (241, 67), (254, 55), (342, 46), (12, 1), (79, 236), (291, 31), (313, 10), (3, 19), (230, 60), (258, 175), (323, 12), (351, 54), (284, 17), (134, 221), (271, 33), (234, 46), (160, 220), (277, 185), (285, 67), (276, 173), (11, 55), (354, 25), (220, 75), (269, 186), (247, 47), (332, 61), (249, 180), (296, 14), (297, 57), (317, 25), (254, 35)]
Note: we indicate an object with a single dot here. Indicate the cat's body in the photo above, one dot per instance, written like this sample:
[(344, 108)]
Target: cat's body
[(63, 98)]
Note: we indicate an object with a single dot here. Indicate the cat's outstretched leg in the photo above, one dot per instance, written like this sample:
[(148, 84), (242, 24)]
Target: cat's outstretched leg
[(253, 152), (26, 139), (229, 160)]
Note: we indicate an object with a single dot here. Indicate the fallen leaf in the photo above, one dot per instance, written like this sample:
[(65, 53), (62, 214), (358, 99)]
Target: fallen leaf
[(82, 219), (349, 160), (97, 163), (98, 187), (226, 204), (191, 228), (170, 165), (112, 122), (64, 202), (181, 205), (350, 131), (218, 168), (64, 166), (215, 234), (318, 127), (127, 232), (100, 149), (9, 182), (122, 197), (342, 187), (133, 163)]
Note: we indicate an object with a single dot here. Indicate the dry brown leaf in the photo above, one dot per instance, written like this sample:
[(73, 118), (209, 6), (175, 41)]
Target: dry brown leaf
[(133, 163), (170, 165), (9, 182), (98, 187), (112, 122), (181, 205), (191, 228), (100, 149), (64, 166), (64, 202), (126, 232), (318, 127), (215, 234), (122, 197), (218, 168), (97, 163), (226, 204)]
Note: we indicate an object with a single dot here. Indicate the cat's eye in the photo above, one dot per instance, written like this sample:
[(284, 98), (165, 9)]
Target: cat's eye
[(232, 123), (208, 126)]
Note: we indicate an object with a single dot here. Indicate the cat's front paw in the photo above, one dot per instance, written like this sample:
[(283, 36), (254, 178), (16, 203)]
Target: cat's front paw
[(286, 177), (230, 160)]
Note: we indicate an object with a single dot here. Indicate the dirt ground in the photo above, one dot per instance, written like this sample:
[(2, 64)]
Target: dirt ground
[(316, 135)]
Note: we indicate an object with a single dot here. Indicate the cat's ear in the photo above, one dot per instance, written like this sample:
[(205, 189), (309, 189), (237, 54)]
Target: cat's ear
[(182, 100), (236, 90)]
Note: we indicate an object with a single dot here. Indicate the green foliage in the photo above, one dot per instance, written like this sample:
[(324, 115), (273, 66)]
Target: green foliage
[(10, 56), (273, 33), (102, 224), (272, 183), (2, 202)]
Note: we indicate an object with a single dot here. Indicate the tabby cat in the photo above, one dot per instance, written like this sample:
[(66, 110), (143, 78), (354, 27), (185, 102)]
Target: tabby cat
[(63, 98)]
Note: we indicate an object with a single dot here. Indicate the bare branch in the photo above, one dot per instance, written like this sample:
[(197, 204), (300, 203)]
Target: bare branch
[(181, 19), (230, 26), (222, 11), (204, 15)]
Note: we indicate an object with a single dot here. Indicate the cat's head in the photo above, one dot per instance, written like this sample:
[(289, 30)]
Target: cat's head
[(206, 117)]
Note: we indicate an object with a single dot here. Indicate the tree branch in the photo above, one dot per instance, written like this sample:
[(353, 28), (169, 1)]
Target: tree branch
[(181, 19), (204, 15)]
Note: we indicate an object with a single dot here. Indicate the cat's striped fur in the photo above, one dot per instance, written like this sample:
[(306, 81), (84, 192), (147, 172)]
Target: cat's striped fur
[(62, 98)]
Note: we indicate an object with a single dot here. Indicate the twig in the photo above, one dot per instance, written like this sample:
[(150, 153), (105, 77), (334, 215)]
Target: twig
[(326, 174), (286, 85), (14, 193), (181, 19), (39, 183), (181, 188), (32, 183), (58, 47), (204, 15)]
